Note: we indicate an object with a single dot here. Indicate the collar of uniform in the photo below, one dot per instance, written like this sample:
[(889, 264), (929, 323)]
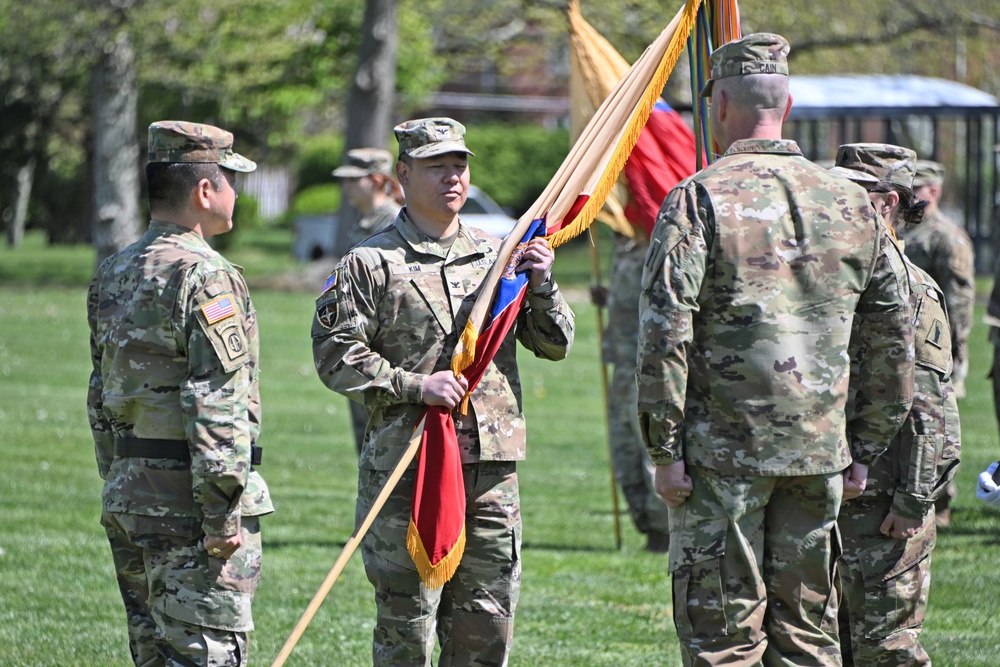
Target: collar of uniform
[(465, 244), (160, 228), (782, 146)]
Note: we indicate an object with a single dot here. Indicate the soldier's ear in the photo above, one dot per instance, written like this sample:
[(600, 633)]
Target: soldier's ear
[(201, 195), (402, 173)]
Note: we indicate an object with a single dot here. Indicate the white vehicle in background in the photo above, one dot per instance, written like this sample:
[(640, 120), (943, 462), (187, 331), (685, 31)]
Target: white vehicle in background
[(314, 234)]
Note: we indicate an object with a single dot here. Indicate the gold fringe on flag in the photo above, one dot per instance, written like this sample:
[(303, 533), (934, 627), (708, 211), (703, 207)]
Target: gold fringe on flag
[(601, 150), (433, 575), (629, 138)]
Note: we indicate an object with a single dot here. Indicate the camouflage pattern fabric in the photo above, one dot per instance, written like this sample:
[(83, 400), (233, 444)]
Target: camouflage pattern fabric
[(884, 583), (746, 317), (757, 53), (182, 141), (885, 580), (752, 561), (182, 606), (944, 250), (378, 219), (633, 469), (174, 346), (390, 316), (757, 266), (475, 617)]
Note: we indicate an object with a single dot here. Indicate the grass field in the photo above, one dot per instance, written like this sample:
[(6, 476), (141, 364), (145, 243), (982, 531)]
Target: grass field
[(583, 602)]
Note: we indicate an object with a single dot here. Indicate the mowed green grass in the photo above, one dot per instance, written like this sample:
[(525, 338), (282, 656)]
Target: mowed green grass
[(583, 602)]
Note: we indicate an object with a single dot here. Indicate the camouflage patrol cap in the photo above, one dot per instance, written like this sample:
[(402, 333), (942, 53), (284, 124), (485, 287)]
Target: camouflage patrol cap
[(869, 164), (758, 53), (426, 137), (928, 173), (181, 141), (365, 161)]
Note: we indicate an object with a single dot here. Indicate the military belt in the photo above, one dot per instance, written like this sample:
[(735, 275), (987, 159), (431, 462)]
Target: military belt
[(153, 448)]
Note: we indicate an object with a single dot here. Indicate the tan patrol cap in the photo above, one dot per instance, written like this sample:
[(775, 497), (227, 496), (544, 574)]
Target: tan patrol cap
[(426, 137), (757, 53), (181, 141), (360, 162), (928, 173)]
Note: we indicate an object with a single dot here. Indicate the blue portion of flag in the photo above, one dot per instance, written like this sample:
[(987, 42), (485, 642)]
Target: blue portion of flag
[(513, 282)]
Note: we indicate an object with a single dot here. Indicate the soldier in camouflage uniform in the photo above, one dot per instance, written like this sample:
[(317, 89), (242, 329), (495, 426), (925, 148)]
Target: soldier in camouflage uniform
[(385, 331), (944, 250), (756, 268), (631, 463), (174, 408), (888, 530), (368, 183)]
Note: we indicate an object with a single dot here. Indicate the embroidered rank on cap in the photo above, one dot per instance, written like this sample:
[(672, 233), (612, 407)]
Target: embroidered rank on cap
[(219, 308)]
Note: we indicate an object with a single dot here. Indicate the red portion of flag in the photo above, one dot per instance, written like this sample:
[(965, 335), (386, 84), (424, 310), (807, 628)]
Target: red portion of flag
[(438, 511), (436, 535), (662, 157)]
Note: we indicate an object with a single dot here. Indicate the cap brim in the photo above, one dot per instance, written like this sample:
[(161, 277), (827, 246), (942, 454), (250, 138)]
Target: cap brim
[(706, 91), (349, 171), (440, 148), (237, 162), (853, 175)]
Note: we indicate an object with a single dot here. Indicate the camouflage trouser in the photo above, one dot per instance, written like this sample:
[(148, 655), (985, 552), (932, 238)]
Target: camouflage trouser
[(632, 466), (753, 561), (359, 421), (473, 614), (885, 584), (184, 608)]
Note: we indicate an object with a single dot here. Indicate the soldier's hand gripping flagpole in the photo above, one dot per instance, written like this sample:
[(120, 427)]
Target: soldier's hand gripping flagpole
[(351, 546)]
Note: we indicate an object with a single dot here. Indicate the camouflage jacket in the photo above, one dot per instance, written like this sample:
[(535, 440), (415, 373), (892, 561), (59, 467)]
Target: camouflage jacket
[(944, 250), (621, 336), (391, 315), (923, 457), (174, 347), (380, 218), (756, 268)]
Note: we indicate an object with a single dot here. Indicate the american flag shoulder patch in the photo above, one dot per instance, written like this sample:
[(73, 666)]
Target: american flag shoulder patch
[(219, 308)]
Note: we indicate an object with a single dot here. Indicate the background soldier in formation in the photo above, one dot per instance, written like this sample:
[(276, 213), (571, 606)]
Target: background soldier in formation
[(368, 183), (944, 250), (888, 531), (631, 463), (756, 268), (174, 408), (385, 332)]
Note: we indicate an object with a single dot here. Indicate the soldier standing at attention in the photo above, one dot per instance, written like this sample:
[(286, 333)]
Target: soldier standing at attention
[(888, 531), (367, 181), (385, 331), (944, 250), (757, 266), (174, 408)]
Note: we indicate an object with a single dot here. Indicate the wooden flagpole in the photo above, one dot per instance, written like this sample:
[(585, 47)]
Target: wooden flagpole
[(596, 263), (351, 546)]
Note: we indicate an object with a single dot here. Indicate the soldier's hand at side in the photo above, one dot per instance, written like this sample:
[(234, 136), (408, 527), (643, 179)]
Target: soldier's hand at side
[(443, 388), (900, 527), (673, 483), (222, 547), (538, 258), (855, 480), (599, 295)]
